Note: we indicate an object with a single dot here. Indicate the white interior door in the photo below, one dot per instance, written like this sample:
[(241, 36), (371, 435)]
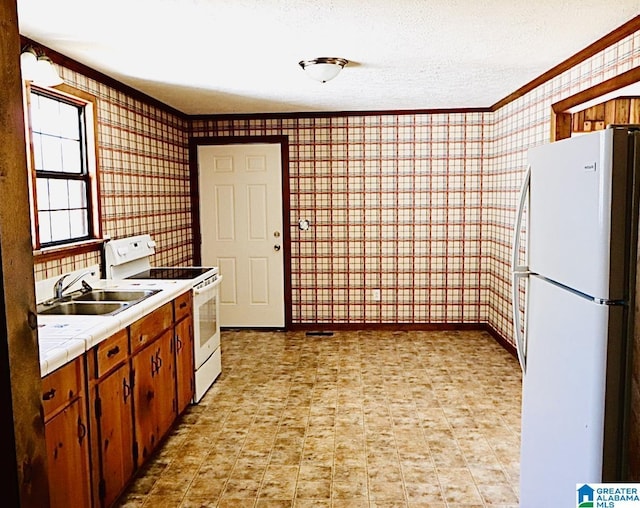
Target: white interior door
[(242, 230)]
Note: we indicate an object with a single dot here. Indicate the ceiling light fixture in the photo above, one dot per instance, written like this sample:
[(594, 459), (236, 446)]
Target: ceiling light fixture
[(38, 68), (323, 69)]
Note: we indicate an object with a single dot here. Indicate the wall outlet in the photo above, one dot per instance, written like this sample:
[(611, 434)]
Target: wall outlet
[(377, 296)]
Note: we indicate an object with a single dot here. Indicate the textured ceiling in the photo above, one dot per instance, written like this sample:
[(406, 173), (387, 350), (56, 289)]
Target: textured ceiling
[(241, 56)]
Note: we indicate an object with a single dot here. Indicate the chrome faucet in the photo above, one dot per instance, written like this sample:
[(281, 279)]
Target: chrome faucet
[(58, 289)]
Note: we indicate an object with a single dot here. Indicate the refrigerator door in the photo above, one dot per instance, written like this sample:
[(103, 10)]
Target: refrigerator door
[(563, 395), (570, 212)]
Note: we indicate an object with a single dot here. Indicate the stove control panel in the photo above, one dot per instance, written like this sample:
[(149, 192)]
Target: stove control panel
[(125, 255)]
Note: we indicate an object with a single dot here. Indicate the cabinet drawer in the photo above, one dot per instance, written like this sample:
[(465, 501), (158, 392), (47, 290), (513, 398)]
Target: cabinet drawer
[(62, 386), (182, 305), (111, 352), (151, 326)]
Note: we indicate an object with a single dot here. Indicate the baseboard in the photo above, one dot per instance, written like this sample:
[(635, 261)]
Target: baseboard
[(500, 339)]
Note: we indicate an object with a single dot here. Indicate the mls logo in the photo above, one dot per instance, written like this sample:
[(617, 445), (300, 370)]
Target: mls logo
[(585, 497)]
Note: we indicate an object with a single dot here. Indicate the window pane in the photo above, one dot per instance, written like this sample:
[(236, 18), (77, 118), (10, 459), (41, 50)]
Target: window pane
[(51, 154), (77, 194), (71, 162), (68, 121), (60, 225), (42, 193), (78, 223), (49, 116), (37, 151), (34, 113), (58, 194), (44, 223)]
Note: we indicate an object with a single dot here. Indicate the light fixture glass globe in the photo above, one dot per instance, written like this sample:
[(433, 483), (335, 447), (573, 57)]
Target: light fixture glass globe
[(323, 69), (46, 73), (28, 64)]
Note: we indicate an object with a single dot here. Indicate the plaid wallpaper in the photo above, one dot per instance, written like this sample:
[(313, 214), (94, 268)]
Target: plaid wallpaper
[(144, 176), (394, 203), (419, 206), (518, 126)]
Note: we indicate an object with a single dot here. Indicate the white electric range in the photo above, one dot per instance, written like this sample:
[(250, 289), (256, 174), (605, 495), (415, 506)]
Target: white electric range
[(129, 258)]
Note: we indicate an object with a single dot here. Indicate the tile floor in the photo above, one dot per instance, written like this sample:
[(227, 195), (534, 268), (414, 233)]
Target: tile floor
[(357, 419)]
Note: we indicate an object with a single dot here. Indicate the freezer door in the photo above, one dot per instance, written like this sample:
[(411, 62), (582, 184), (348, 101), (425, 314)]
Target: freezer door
[(570, 212), (563, 394)]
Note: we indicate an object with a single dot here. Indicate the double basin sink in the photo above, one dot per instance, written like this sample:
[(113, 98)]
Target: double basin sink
[(96, 302)]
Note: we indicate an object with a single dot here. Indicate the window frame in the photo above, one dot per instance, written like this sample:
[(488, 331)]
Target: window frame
[(88, 103)]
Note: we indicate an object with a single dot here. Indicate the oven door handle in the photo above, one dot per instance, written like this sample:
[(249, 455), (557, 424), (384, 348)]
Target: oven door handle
[(208, 287)]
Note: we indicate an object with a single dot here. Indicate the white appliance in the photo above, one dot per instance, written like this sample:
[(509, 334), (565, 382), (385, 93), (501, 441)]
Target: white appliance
[(573, 343), (129, 258)]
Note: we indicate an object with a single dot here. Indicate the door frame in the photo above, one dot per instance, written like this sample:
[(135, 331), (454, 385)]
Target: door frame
[(283, 141)]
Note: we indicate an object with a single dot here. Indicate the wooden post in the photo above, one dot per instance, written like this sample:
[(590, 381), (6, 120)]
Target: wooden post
[(24, 457)]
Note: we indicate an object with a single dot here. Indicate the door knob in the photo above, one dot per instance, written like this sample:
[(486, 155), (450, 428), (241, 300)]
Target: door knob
[(276, 248)]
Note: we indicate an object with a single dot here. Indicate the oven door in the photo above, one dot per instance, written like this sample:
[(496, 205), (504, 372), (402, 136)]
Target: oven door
[(206, 321)]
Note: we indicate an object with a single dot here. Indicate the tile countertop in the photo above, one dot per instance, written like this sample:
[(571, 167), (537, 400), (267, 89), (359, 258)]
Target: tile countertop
[(63, 338)]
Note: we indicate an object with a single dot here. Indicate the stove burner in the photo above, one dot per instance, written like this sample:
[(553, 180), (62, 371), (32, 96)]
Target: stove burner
[(176, 273)]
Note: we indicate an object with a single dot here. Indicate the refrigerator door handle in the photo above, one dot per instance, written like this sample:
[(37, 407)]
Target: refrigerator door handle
[(519, 331), (518, 272), (517, 228)]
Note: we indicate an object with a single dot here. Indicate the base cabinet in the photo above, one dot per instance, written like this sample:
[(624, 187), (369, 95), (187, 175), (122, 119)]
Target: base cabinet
[(66, 436), (154, 393), (106, 412), (184, 351)]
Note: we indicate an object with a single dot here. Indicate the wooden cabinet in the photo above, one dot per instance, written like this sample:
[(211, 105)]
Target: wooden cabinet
[(183, 337), (66, 435), (116, 404), (154, 393), (111, 417), (151, 326)]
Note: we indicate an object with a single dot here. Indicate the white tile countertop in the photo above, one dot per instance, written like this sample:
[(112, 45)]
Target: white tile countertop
[(63, 338)]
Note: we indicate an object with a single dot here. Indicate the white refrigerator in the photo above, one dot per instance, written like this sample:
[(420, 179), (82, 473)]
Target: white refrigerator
[(574, 281)]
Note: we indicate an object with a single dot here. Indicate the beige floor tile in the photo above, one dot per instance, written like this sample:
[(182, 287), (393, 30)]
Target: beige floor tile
[(354, 420)]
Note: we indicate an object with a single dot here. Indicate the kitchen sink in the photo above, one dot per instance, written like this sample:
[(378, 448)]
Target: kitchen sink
[(83, 308), (109, 295), (96, 302)]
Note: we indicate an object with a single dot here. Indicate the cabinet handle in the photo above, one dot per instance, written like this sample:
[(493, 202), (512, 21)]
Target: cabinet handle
[(183, 305), (158, 359), (49, 395), (82, 430), (126, 389), (154, 366), (178, 343), (113, 351)]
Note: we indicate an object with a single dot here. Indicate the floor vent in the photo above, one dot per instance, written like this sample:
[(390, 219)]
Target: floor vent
[(319, 334)]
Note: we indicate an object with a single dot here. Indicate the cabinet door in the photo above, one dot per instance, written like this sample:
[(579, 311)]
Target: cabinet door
[(154, 393), (184, 362), (115, 430), (68, 458)]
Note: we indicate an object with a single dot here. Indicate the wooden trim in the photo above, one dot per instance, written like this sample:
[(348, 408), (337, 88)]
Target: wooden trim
[(90, 73), (560, 126), (610, 85), (616, 35), (333, 114), (283, 141), (41, 256), (561, 119)]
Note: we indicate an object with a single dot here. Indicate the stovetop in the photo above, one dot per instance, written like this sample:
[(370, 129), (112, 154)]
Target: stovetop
[(175, 273)]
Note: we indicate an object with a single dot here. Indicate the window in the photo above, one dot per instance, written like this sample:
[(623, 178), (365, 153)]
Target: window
[(63, 167)]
